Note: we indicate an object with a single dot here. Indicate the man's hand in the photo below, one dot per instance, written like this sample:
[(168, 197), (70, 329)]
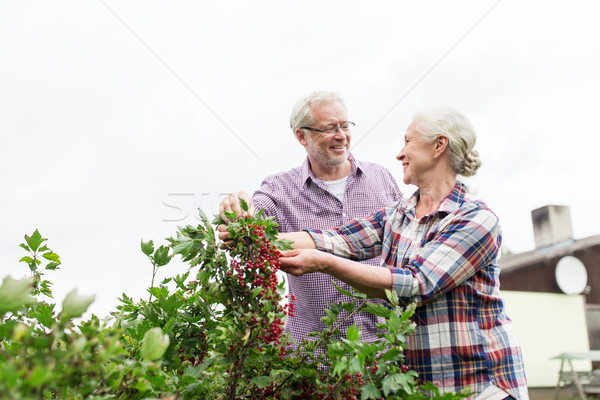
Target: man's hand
[(223, 234), (231, 203)]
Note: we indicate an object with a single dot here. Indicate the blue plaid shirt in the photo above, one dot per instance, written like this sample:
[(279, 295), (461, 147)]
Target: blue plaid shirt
[(447, 262)]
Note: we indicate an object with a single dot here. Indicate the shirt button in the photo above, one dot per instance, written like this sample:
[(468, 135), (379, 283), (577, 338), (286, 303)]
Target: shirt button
[(343, 214)]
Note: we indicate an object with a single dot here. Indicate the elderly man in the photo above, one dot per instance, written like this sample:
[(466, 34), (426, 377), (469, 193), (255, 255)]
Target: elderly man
[(329, 189)]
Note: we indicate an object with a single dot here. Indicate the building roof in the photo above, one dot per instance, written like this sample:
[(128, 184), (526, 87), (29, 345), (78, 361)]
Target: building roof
[(567, 247)]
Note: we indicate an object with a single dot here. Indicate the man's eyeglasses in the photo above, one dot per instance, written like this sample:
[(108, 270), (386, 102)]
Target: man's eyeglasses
[(330, 130)]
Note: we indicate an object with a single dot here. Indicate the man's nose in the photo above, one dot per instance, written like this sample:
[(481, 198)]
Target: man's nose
[(339, 132)]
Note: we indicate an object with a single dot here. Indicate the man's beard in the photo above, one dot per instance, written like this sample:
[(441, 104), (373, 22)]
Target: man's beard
[(323, 157)]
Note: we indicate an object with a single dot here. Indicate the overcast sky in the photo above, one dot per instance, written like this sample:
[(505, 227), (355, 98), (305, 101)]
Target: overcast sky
[(119, 119)]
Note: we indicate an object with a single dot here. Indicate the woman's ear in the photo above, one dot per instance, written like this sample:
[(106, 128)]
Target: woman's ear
[(441, 143)]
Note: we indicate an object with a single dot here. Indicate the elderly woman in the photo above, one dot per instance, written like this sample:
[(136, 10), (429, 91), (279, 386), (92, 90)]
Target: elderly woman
[(441, 250)]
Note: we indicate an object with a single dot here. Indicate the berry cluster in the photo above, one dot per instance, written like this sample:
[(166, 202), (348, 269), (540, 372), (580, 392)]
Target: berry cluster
[(290, 305), (254, 280)]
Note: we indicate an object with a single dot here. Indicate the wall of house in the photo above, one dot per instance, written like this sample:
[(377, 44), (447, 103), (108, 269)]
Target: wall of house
[(547, 325), (539, 276)]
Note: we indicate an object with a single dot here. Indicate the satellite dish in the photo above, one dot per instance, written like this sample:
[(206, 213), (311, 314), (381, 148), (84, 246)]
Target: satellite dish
[(571, 275)]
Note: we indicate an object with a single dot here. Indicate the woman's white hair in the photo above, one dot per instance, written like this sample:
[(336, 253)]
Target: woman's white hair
[(302, 111), (461, 136)]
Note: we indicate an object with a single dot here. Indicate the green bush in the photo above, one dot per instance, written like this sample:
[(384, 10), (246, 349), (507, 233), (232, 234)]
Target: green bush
[(214, 332)]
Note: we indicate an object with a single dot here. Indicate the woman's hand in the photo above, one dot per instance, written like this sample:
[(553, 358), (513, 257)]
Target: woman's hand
[(305, 261)]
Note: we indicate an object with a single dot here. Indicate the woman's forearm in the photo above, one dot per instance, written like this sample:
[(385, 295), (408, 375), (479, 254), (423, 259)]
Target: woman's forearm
[(301, 240), (368, 279)]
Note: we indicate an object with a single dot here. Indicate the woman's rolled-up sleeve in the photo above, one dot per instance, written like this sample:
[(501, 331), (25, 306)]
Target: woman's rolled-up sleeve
[(359, 239), (466, 242)]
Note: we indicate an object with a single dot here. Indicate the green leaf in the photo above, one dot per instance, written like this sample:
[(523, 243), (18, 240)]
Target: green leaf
[(389, 384), (393, 354), (392, 297), (370, 391), (74, 305), (38, 376), (284, 244), (179, 280), (26, 259), (161, 256), (398, 381), (52, 257), (353, 333), (354, 366), (218, 220), (230, 215), (154, 344), (45, 288), (357, 295), (147, 247), (409, 312), (34, 240), (10, 376), (348, 306), (41, 343), (336, 350), (23, 245), (52, 266), (340, 366), (205, 220), (378, 309), (394, 322), (331, 314), (261, 381), (183, 246), (256, 291), (44, 313), (243, 204), (14, 294)]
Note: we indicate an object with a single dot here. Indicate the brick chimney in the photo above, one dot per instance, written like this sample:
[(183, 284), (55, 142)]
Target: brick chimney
[(551, 225)]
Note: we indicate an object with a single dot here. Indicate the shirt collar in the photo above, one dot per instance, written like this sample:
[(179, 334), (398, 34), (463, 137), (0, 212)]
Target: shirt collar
[(306, 173), (451, 202)]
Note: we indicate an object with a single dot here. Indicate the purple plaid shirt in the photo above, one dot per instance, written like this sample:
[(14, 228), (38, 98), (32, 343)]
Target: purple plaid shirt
[(447, 262), (298, 201)]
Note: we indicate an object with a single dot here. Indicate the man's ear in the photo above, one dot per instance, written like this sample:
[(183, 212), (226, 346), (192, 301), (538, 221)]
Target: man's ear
[(441, 144), (301, 136)]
